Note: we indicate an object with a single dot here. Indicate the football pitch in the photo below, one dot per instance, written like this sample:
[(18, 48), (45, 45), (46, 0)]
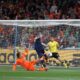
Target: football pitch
[(55, 73)]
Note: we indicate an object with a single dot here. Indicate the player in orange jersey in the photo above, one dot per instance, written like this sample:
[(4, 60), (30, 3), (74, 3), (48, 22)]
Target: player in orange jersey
[(27, 65)]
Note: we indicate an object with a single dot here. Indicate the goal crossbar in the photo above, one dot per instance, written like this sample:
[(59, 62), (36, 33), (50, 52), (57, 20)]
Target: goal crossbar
[(38, 23)]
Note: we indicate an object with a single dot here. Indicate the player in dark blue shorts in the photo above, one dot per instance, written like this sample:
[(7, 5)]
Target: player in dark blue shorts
[(40, 51)]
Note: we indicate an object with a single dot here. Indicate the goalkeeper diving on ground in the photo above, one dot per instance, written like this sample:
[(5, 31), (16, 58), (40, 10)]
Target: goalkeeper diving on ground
[(27, 65)]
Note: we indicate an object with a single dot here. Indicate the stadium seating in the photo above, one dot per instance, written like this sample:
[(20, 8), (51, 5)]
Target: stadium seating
[(27, 35), (39, 9)]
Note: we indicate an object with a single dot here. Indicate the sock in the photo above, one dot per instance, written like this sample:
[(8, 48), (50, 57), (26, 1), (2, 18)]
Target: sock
[(43, 63), (65, 65)]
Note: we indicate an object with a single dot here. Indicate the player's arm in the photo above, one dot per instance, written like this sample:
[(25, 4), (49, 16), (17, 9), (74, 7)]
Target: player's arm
[(44, 45), (26, 52), (58, 45), (48, 46), (14, 67)]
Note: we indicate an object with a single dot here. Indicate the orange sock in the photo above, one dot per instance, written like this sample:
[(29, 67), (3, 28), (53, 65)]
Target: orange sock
[(42, 69)]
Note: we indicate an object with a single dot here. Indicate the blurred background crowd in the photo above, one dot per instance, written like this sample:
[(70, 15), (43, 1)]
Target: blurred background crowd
[(67, 36), (39, 9)]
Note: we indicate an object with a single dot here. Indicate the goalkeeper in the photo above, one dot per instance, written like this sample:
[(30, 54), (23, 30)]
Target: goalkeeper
[(27, 65)]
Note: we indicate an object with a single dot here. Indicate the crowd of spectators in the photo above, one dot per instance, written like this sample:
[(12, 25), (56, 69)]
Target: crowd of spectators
[(67, 36), (39, 9)]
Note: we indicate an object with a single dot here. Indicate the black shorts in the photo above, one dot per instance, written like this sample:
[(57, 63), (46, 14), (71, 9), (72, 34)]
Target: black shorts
[(55, 55)]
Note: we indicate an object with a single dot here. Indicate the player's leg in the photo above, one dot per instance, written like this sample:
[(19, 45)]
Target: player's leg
[(42, 69), (43, 64), (56, 55), (41, 58), (29, 66), (33, 68), (35, 61), (42, 61)]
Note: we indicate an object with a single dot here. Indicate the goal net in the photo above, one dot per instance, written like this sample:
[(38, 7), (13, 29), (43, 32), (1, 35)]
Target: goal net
[(20, 34)]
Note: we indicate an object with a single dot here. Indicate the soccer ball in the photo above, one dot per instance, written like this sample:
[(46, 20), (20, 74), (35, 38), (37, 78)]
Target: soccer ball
[(49, 54)]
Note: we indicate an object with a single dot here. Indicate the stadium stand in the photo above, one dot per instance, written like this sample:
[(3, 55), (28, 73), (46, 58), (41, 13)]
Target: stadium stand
[(67, 36), (39, 9)]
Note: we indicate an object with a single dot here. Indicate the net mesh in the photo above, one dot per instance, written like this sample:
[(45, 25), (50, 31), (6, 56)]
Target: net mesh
[(21, 34)]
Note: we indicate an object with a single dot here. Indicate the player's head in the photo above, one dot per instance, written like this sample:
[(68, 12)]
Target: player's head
[(18, 54), (38, 37), (38, 40), (51, 38)]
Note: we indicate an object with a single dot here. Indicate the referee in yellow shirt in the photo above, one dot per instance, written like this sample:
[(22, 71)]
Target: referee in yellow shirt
[(53, 48)]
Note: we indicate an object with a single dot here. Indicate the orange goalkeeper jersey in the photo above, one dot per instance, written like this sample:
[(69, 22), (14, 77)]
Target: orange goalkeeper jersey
[(25, 64)]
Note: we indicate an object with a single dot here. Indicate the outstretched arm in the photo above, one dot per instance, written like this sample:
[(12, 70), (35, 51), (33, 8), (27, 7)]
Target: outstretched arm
[(44, 44), (25, 53), (14, 67)]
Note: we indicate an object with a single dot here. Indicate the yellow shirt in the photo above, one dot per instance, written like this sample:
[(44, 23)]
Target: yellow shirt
[(53, 46)]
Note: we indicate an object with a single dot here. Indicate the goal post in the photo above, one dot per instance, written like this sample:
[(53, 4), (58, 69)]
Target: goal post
[(20, 34)]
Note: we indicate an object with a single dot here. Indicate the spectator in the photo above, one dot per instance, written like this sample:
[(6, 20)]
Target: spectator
[(72, 40), (77, 10), (67, 36), (40, 9), (54, 8)]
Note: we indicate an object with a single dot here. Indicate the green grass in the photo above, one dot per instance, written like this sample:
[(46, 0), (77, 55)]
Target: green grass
[(6, 73)]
